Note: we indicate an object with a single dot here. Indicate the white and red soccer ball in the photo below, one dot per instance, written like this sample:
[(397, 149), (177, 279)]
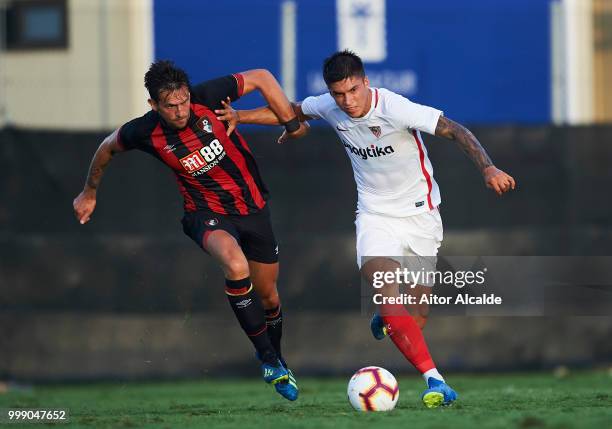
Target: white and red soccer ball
[(373, 389)]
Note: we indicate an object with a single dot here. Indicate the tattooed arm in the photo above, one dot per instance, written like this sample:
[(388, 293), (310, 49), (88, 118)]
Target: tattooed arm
[(494, 178), (85, 203)]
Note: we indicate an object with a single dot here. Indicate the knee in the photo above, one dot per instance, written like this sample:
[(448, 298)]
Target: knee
[(236, 268), (420, 320), (423, 309), (268, 293), (420, 314), (270, 298)]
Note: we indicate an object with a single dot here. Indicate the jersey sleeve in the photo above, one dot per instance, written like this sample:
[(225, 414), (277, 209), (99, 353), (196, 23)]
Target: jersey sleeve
[(313, 106), (413, 115), (132, 134), (211, 92)]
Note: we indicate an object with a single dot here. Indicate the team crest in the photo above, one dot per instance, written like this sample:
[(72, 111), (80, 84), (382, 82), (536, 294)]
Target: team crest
[(376, 131), (204, 124)]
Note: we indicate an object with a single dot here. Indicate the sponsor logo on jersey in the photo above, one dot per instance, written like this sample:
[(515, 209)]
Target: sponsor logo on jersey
[(193, 162), (376, 131), (202, 160), (204, 124), (371, 152)]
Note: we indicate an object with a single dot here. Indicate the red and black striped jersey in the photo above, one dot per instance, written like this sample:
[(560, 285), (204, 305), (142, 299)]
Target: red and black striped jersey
[(214, 172)]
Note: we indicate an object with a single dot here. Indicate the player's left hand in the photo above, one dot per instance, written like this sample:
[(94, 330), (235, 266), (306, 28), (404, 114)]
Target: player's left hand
[(229, 115), (498, 180)]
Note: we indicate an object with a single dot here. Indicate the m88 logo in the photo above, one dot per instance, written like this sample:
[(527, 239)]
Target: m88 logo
[(211, 151), (202, 160)]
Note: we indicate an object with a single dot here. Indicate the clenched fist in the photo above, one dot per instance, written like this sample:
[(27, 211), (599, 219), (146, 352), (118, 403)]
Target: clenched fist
[(498, 180), (84, 205)]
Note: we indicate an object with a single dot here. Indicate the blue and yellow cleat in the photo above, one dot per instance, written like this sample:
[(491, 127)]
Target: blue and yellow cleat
[(288, 389), (273, 374), (282, 379), (378, 327), (439, 393)]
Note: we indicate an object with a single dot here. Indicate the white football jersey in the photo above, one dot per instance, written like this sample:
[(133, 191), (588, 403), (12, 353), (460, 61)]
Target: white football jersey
[(392, 171)]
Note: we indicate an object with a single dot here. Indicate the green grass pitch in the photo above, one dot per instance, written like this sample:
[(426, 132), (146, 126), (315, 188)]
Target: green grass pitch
[(538, 400)]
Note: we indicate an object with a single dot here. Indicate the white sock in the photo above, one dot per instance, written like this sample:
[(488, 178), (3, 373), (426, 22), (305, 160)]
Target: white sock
[(433, 373)]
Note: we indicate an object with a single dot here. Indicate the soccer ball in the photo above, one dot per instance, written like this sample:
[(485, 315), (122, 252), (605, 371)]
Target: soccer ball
[(373, 389)]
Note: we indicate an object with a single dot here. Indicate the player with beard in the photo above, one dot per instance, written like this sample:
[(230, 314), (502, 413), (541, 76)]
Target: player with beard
[(224, 195)]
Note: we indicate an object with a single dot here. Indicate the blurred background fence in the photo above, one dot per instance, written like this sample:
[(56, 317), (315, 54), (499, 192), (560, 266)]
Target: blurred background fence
[(128, 295)]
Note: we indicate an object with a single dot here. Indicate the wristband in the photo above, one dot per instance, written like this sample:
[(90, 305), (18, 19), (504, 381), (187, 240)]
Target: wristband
[(292, 125)]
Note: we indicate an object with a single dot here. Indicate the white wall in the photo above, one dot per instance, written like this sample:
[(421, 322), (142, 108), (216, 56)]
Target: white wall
[(572, 62), (97, 83)]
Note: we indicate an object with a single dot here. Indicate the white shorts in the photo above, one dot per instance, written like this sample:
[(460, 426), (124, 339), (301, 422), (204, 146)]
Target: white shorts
[(399, 238)]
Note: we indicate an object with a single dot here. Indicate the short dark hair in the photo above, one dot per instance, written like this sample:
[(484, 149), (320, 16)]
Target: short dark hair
[(163, 75), (342, 65)]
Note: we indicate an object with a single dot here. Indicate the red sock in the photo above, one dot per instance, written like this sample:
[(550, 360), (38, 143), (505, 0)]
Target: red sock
[(407, 336)]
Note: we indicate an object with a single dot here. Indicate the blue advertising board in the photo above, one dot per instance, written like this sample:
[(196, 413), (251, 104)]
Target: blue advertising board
[(480, 61)]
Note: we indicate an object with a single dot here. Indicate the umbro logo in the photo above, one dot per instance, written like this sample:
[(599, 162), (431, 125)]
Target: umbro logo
[(340, 129), (211, 222), (274, 322), (244, 303)]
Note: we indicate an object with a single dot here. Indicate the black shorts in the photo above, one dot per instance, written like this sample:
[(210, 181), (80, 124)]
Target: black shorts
[(252, 232)]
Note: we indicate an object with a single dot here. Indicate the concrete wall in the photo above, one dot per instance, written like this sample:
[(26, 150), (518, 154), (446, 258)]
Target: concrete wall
[(129, 295), (60, 347), (96, 83)]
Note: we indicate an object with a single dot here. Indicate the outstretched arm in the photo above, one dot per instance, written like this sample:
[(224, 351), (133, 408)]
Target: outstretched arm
[(85, 203), (278, 104), (265, 82), (262, 116), (494, 178)]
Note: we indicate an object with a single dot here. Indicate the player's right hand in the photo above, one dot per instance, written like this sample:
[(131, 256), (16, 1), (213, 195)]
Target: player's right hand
[(229, 115), (84, 205), (300, 132)]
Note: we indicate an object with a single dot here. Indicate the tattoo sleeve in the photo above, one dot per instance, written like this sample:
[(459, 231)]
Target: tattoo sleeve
[(96, 169), (101, 158), (468, 143)]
